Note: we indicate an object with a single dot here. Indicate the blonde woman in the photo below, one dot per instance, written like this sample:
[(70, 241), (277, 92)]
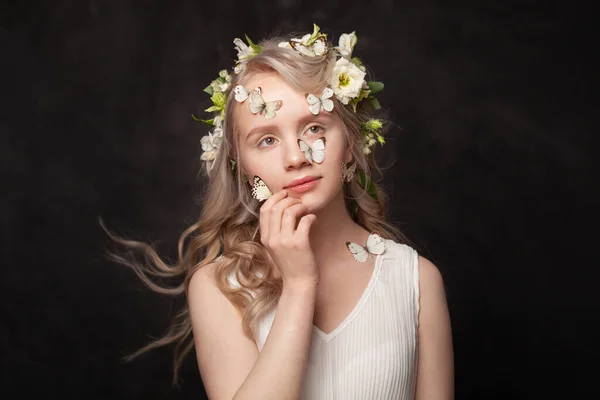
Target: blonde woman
[(297, 287)]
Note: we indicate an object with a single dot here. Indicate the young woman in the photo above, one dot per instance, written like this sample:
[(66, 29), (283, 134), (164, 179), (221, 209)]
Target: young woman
[(296, 285)]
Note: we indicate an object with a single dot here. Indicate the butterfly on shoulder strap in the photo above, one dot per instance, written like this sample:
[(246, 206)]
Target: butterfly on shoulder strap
[(265, 108), (375, 246), (314, 152), (260, 191)]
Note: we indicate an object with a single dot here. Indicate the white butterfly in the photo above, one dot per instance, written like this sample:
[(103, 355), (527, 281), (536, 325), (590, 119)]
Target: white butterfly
[(241, 94), (258, 104), (375, 246), (316, 104), (260, 191), (316, 152), (320, 47)]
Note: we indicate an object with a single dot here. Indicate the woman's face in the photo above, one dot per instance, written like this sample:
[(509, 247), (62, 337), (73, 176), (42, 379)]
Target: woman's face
[(269, 147)]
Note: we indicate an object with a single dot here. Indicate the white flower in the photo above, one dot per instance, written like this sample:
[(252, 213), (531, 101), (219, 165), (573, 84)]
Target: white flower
[(244, 51), (210, 145), (208, 155), (239, 67), (218, 122), (285, 45), (225, 75), (223, 86), (346, 44), (346, 80)]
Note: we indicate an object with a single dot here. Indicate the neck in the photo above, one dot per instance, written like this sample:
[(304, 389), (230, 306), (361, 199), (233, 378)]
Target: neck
[(332, 229)]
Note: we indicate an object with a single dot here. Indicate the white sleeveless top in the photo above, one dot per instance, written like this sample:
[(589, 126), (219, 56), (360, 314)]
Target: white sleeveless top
[(372, 354)]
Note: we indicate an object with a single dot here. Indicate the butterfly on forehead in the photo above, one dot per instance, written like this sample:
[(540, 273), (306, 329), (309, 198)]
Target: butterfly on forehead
[(265, 108), (257, 104), (316, 104)]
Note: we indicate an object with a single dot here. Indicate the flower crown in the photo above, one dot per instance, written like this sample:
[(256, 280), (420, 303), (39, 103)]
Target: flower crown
[(347, 82)]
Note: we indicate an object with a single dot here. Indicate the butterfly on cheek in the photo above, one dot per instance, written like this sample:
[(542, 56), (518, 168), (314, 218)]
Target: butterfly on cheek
[(314, 152), (260, 191), (375, 246), (259, 106)]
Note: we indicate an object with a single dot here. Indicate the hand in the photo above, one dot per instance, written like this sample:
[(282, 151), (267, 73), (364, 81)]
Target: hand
[(289, 246)]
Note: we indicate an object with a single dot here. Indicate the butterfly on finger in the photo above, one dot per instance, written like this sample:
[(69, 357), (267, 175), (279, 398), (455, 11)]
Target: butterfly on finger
[(314, 152), (260, 191), (375, 246), (316, 104), (259, 106)]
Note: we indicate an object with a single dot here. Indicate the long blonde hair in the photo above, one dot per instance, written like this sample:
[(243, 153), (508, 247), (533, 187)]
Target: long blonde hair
[(225, 234)]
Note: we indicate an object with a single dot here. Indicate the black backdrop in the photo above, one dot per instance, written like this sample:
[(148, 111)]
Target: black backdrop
[(489, 171)]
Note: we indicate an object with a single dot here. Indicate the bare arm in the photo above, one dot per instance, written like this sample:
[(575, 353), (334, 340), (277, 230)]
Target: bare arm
[(230, 364), (435, 374)]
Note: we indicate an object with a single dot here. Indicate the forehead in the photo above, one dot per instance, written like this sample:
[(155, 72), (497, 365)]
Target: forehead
[(273, 87)]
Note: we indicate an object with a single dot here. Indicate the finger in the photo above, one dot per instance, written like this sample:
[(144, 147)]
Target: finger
[(289, 218), (276, 214), (302, 233), (265, 211)]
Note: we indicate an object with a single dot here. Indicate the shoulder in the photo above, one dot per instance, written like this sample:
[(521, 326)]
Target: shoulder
[(430, 277)]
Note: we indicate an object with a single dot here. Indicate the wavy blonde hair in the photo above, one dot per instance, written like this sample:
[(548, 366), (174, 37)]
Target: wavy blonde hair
[(226, 233)]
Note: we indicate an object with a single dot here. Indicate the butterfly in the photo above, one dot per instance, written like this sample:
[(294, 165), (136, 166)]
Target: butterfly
[(316, 104), (348, 172), (259, 106), (375, 246), (320, 47), (316, 152), (240, 93), (260, 191)]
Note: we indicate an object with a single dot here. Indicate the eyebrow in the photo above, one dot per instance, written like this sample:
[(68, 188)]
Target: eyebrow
[(301, 122)]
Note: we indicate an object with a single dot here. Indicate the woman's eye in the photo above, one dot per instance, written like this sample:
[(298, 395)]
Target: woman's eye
[(268, 141), (315, 129)]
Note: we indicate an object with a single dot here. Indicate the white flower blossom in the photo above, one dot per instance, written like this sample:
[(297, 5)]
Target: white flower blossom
[(244, 51), (210, 145), (225, 75), (346, 44), (218, 122), (239, 67), (346, 80)]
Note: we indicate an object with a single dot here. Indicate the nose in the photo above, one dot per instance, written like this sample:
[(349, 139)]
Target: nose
[(293, 157)]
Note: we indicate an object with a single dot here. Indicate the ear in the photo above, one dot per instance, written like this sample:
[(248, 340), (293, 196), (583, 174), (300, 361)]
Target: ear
[(348, 154)]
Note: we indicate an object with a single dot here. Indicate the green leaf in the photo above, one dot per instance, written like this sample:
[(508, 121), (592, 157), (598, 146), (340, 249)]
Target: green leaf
[(213, 109), (375, 87), (219, 99), (232, 164), (315, 34), (209, 90), (206, 121), (255, 47), (374, 103), (362, 182), (356, 61)]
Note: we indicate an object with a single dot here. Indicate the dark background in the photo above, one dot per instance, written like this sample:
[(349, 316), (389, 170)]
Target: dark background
[(489, 171)]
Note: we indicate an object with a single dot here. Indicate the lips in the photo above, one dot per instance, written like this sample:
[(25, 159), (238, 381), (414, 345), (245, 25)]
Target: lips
[(300, 181)]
